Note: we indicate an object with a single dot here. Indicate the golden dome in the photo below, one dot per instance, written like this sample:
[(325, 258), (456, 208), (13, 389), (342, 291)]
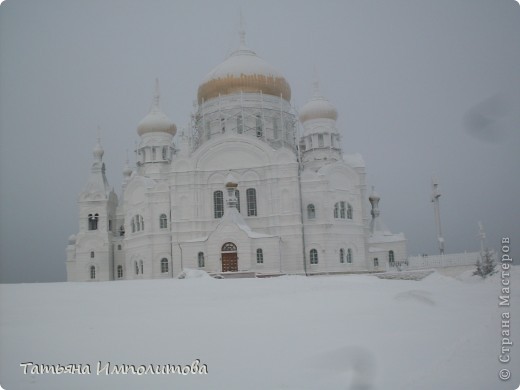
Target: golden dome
[(243, 71)]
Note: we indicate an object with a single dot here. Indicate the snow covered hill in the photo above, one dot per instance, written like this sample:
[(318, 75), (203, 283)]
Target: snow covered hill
[(330, 332)]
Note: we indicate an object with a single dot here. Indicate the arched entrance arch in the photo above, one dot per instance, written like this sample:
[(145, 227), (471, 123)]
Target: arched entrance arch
[(229, 257)]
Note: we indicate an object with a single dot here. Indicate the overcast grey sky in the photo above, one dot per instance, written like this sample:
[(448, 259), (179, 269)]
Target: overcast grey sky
[(422, 88)]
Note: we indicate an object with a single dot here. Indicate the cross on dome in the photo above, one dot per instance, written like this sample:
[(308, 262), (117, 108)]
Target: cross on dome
[(157, 95), (98, 151), (242, 31), (315, 83)]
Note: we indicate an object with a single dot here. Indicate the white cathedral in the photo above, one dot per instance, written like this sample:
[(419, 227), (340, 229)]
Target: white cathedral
[(246, 192)]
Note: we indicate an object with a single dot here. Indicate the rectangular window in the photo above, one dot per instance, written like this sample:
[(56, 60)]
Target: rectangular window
[(376, 262), (237, 195), (218, 204), (251, 202), (320, 140), (259, 127)]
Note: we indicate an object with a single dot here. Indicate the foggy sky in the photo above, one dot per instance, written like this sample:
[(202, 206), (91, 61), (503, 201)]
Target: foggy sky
[(422, 88)]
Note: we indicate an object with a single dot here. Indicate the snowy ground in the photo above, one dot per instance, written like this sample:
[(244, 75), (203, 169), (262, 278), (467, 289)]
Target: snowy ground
[(335, 332)]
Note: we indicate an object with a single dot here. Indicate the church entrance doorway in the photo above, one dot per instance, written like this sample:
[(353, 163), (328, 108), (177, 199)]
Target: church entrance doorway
[(229, 257)]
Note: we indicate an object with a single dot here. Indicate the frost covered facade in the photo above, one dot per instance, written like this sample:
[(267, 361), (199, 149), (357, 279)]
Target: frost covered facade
[(253, 188)]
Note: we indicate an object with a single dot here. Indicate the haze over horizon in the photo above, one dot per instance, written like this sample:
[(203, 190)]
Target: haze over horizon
[(422, 89)]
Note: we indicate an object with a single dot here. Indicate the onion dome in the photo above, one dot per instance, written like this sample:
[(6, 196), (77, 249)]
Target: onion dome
[(318, 107), (231, 182), (374, 196), (156, 121), (243, 71)]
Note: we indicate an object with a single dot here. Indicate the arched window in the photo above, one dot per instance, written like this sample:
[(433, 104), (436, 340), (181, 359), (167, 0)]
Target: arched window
[(92, 272), (164, 152), (137, 223), (164, 265), (289, 130), (311, 211), (276, 129), (141, 266), (119, 271), (259, 127), (237, 195), (376, 262), (119, 247), (240, 124), (314, 256), (320, 140), (136, 268), (229, 247), (336, 210), (93, 221), (163, 221), (121, 231), (218, 204), (342, 210), (92, 254), (349, 255), (200, 259), (342, 255), (349, 211), (251, 201), (259, 256), (223, 125), (208, 130), (391, 258)]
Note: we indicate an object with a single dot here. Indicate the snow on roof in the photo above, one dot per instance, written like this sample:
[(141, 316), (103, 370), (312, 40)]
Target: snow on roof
[(235, 217), (242, 62), (377, 237), (355, 160)]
